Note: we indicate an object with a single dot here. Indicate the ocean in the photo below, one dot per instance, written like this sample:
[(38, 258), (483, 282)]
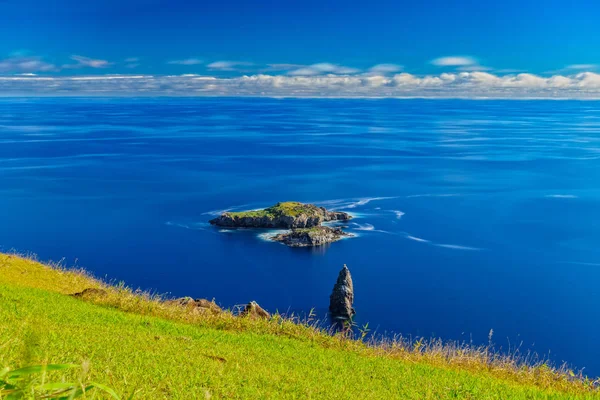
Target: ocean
[(470, 215)]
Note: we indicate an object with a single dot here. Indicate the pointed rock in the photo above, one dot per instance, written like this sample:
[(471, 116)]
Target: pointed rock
[(342, 297), (253, 310)]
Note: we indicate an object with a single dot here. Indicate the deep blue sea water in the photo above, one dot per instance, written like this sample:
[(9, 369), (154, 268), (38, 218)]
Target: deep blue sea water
[(470, 215)]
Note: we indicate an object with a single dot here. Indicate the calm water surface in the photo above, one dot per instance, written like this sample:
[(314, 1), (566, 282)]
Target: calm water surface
[(470, 215)]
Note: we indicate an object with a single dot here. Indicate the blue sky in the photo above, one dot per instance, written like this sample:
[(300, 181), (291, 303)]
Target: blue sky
[(228, 39)]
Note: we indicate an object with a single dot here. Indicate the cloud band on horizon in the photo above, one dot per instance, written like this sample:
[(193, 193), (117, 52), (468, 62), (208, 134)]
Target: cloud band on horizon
[(583, 85)]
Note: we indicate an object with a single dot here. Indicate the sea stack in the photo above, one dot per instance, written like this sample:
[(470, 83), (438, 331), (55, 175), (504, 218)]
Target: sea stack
[(342, 297)]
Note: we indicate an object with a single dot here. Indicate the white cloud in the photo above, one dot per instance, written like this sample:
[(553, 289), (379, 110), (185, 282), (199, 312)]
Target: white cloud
[(323, 68), (385, 68), (454, 61), (508, 71), (305, 71), (588, 80), (474, 68), (132, 62), (87, 62), (30, 64), (283, 67), (227, 65), (581, 67), (187, 61), (479, 84), (26, 64), (106, 77)]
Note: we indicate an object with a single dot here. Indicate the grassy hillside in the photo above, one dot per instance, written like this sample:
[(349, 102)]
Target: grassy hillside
[(134, 343)]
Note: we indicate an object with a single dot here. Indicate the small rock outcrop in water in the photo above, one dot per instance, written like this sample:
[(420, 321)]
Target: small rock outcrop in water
[(342, 297), (315, 236), (304, 220), (253, 310), (286, 215), (198, 305)]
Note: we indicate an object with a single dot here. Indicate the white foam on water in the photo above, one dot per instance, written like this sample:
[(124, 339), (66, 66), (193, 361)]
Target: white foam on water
[(268, 235), (340, 204), (434, 195), (216, 212), (457, 247), (366, 228), (356, 215), (398, 213), (331, 203), (363, 227), (444, 245), (561, 196), (417, 239), (364, 201), (196, 226), (358, 203)]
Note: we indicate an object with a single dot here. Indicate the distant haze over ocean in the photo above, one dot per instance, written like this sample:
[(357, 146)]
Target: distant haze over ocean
[(470, 215)]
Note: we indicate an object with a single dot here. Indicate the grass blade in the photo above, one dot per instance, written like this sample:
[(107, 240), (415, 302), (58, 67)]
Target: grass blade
[(34, 369), (107, 390)]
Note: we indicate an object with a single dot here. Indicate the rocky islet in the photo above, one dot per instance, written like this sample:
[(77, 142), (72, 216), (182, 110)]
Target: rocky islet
[(303, 220)]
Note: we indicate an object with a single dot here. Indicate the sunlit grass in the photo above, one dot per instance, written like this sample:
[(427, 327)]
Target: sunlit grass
[(133, 341), (282, 209)]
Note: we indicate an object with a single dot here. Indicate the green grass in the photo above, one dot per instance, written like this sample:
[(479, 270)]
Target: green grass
[(136, 343), (286, 208)]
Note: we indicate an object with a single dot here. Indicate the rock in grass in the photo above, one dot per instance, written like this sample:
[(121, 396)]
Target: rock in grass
[(197, 305), (306, 237), (342, 297), (253, 310), (286, 215), (90, 293)]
